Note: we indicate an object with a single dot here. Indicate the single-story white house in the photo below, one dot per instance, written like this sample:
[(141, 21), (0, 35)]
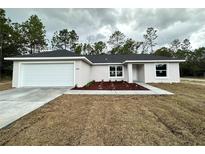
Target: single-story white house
[(65, 68)]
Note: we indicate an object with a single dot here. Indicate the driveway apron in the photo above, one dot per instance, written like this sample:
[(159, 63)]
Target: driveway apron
[(15, 103)]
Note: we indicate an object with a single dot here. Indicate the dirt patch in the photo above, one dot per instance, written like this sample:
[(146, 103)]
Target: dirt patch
[(115, 120), (110, 85)]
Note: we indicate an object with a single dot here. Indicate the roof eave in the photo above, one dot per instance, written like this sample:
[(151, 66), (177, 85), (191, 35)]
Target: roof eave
[(152, 61), (87, 60), (48, 58)]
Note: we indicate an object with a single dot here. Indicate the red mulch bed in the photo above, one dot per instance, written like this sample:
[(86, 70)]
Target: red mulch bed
[(116, 85)]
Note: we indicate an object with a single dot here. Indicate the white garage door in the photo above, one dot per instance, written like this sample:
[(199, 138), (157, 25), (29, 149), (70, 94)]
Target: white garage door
[(47, 74)]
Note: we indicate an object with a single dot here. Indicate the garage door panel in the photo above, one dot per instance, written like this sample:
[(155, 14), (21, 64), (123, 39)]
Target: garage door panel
[(47, 74)]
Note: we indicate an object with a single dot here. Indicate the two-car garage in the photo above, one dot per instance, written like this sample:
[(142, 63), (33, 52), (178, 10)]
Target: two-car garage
[(45, 74)]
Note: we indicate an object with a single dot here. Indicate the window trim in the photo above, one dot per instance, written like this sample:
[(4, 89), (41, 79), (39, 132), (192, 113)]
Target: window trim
[(163, 77), (115, 77)]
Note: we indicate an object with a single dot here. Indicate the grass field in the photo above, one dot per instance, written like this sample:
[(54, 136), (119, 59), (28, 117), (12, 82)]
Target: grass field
[(115, 120)]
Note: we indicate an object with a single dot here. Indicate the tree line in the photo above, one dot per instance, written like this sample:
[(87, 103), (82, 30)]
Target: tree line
[(118, 43), (30, 37)]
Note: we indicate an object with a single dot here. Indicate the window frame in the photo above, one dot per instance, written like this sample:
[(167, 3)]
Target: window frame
[(162, 70), (116, 71)]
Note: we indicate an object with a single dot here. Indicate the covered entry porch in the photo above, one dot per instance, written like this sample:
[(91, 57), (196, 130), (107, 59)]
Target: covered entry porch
[(135, 72)]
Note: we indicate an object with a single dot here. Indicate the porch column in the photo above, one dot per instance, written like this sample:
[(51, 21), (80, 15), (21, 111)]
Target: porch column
[(129, 68)]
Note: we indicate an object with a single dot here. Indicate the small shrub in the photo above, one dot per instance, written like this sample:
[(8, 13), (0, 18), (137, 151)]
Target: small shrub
[(90, 83)]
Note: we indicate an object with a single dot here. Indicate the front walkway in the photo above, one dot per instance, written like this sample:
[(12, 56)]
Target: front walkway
[(152, 91)]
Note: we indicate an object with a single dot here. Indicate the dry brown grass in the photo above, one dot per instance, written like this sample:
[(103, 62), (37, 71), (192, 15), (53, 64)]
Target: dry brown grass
[(5, 85), (115, 120)]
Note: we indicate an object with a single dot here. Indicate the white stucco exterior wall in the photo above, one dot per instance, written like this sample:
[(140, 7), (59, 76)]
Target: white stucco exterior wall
[(82, 73), (15, 78), (134, 72), (140, 73), (125, 73), (172, 73), (130, 73), (101, 72)]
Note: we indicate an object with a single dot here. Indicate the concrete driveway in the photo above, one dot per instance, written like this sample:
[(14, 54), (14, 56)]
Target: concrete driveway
[(15, 103)]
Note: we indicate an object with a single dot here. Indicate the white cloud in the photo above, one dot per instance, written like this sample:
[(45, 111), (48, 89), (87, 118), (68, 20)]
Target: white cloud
[(197, 39), (100, 23)]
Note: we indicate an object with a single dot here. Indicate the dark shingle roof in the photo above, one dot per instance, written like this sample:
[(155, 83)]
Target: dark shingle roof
[(54, 53), (104, 58), (121, 58)]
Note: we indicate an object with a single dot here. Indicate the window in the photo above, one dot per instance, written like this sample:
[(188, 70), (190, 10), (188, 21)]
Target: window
[(161, 70), (112, 71), (116, 71)]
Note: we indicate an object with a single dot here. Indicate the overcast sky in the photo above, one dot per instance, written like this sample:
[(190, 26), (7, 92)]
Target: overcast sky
[(98, 24)]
